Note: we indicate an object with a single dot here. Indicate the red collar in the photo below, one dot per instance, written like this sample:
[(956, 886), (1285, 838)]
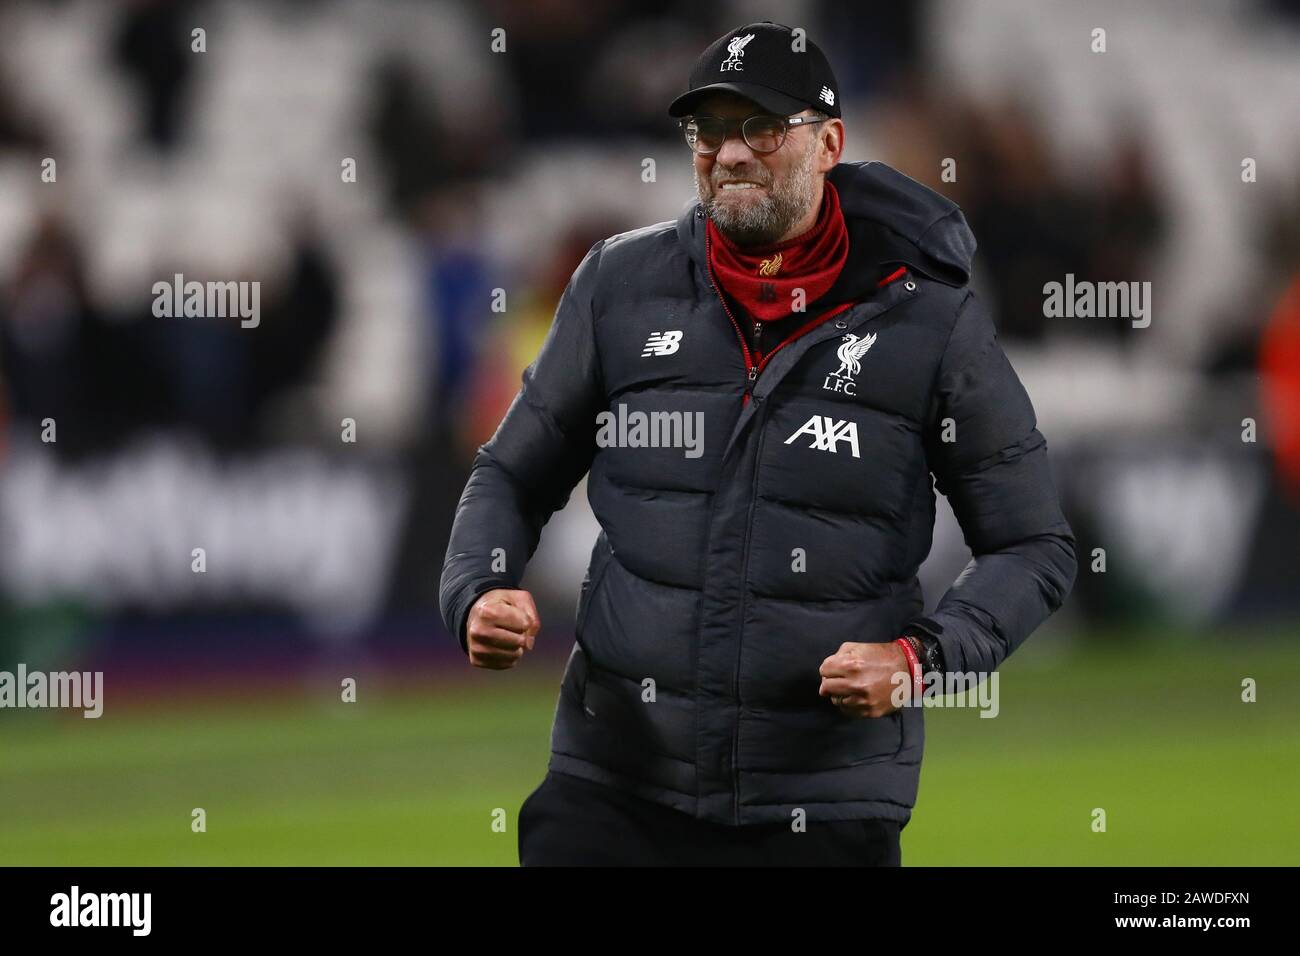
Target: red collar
[(763, 279)]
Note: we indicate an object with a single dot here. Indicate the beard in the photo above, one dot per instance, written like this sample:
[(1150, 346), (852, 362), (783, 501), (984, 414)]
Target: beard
[(751, 221)]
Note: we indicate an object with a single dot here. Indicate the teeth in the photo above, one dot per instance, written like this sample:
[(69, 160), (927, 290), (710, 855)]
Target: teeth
[(739, 185)]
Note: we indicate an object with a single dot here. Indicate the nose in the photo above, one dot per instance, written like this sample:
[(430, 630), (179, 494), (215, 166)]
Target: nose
[(734, 151)]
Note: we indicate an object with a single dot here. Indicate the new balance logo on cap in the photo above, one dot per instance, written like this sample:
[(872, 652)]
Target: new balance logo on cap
[(826, 96), (662, 343)]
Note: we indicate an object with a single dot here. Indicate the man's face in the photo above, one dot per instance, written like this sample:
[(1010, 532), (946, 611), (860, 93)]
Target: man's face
[(782, 185)]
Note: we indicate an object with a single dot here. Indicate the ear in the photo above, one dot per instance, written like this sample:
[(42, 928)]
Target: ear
[(830, 145)]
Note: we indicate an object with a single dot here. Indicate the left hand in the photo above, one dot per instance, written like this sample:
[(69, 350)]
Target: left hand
[(861, 679)]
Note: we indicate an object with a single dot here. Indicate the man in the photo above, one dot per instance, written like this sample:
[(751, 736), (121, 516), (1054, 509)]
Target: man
[(752, 609)]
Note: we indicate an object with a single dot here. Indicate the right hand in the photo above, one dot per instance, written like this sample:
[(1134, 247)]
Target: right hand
[(502, 624)]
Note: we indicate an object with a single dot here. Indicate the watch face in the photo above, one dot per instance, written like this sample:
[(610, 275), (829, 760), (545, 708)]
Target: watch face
[(929, 652)]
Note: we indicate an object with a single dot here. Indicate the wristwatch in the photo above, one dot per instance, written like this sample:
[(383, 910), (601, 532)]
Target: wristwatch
[(928, 651)]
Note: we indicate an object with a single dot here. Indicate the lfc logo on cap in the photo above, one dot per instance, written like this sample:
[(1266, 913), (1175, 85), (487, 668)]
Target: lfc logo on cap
[(737, 49)]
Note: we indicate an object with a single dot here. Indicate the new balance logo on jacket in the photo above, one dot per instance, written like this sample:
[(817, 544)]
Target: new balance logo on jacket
[(662, 343)]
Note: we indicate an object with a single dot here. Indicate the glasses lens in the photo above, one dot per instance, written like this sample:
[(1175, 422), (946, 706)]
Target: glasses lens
[(705, 134), (764, 133)]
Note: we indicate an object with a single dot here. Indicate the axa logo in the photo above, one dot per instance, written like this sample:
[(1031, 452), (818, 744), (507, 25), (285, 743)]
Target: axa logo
[(736, 47), (662, 343), (827, 433), (850, 353)]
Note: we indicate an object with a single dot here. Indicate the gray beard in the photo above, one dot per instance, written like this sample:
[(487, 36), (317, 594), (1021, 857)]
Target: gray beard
[(764, 222)]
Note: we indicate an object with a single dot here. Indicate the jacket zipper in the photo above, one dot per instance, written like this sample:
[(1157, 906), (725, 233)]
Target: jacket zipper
[(744, 591), (744, 572), (751, 373), (751, 370)]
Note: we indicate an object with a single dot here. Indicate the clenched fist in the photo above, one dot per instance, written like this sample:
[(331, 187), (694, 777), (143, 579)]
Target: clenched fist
[(860, 678), (501, 625)]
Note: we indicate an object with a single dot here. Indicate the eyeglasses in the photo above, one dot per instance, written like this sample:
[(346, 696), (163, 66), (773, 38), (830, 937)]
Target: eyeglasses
[(762, 132)]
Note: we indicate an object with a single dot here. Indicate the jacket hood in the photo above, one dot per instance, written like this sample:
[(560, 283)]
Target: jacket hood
[(892, 220)]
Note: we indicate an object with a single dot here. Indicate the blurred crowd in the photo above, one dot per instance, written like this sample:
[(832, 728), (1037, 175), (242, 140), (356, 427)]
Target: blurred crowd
[(576, 75)]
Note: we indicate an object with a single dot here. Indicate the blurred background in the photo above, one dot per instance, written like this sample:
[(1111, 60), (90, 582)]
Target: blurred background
[(1173, 157)]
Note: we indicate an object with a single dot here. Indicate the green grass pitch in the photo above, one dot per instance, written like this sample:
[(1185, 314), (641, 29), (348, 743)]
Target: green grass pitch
[(1156, 736)]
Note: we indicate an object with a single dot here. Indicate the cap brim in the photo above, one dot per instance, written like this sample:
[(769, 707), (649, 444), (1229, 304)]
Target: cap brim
[(767, 98)]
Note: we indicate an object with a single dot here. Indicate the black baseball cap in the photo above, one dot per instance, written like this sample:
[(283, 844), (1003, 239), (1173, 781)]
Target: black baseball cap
[(759, 61)]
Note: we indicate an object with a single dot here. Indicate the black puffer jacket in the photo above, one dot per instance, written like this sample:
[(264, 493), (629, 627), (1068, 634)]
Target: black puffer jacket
[(721, 582)]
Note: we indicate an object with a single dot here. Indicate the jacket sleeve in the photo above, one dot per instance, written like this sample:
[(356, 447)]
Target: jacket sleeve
[(994, 472), (525, 472)]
